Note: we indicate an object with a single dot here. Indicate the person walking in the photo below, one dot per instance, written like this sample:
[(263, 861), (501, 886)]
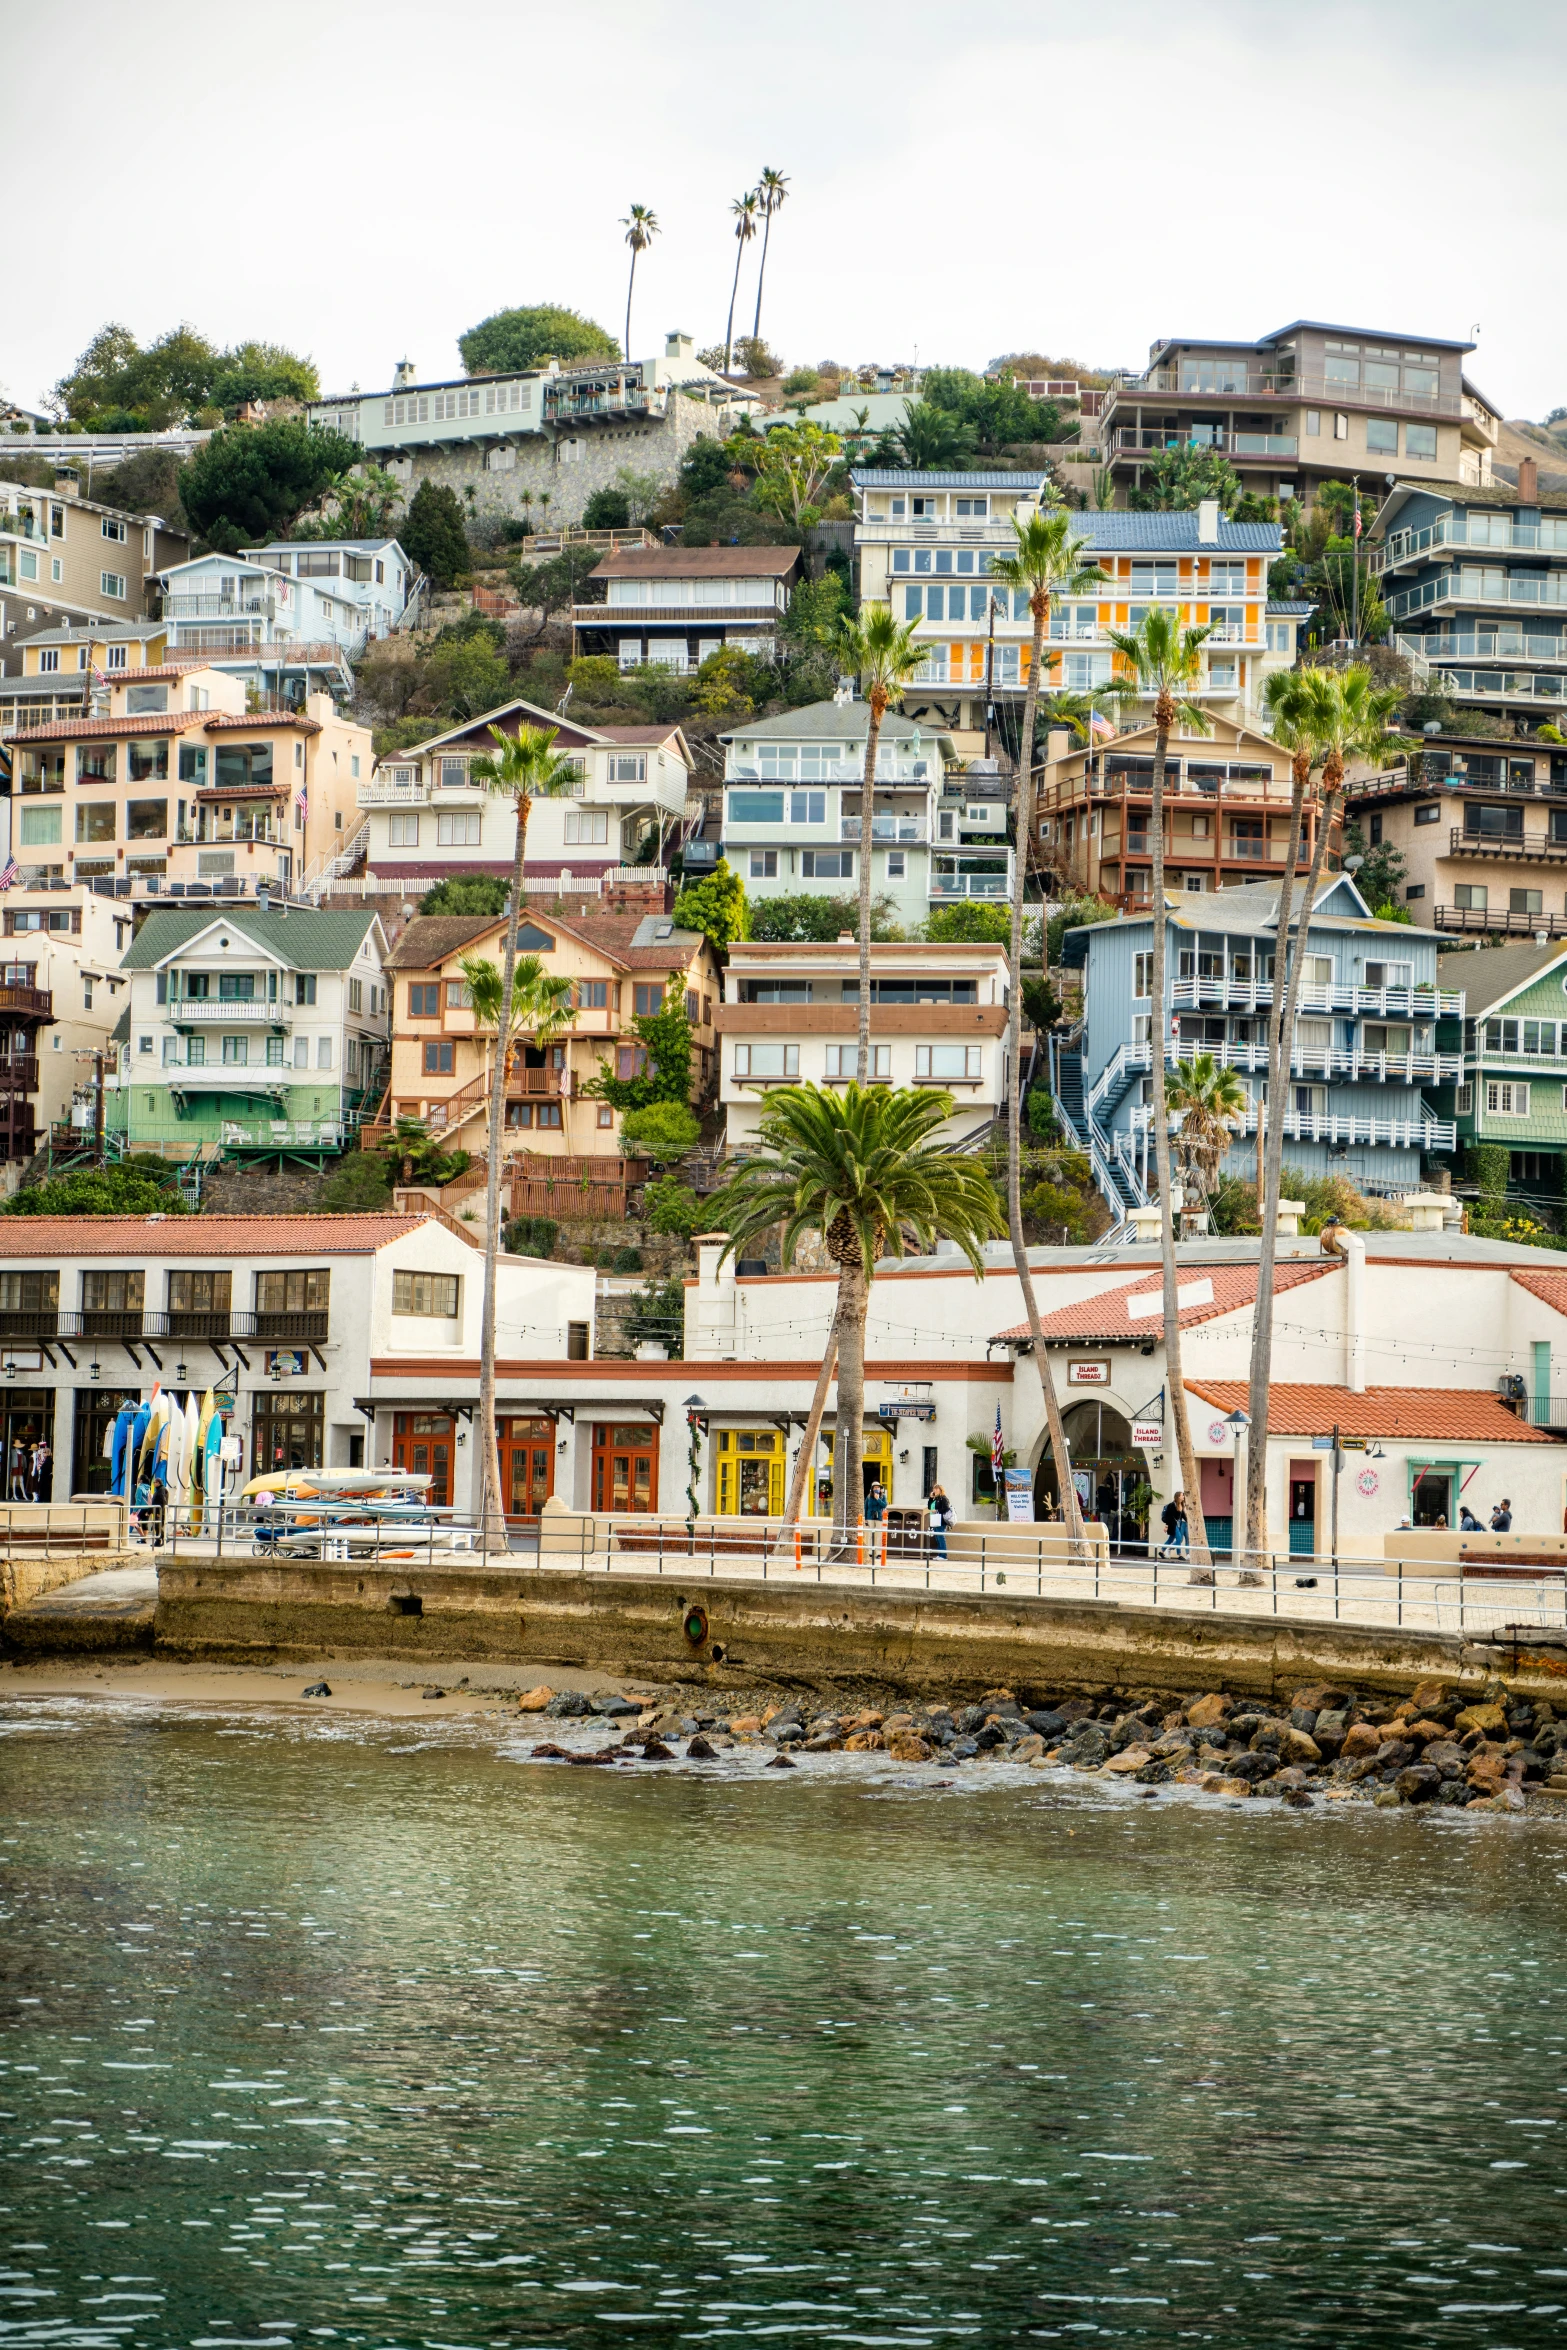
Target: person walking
[(941, 1517), (1181, 1546), (1468, 1523), (43, 1471), (876, 1504), (1172, 1515), (1502, 1518)]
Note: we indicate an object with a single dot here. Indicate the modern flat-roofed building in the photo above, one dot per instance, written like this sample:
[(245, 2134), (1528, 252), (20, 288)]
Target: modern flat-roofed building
[(674, 606), (1474, 576), (1306, 404), (790, 1016), (1481, 826)]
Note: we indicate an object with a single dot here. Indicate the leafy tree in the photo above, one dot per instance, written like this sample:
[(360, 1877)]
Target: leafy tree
[(656, 1316), (794, 920), (414, 1155), (1075, 914), (250, 482), (793, 467), (715, 905), (708, 465), (868, 1171), (1041, 1115), (756, 359), (133, 1187), (557, 583), (1175, 480), (607, 510), (261, 371), (465, 677), (671, 1207), (931, 440), (816, 609), (148, 483), (432, 533), (176, 377), (1001, 415), (1042, 1006), (663, 1132), (971, 924), (665, 1036), (1381, 873), (523, 337), (725, 682), (360, 1180), (532, 1236), (360, 506)]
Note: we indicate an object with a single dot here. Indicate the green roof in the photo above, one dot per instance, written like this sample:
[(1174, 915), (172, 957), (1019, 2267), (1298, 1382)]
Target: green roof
[(298, 940)]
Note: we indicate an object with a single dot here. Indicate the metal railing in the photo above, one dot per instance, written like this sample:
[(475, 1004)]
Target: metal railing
[(1503, 921), (1214, 991), (1462, 842), (1497, 533)]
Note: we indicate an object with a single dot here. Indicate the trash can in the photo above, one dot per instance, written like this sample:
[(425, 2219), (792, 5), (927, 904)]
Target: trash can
[(905, 1533)]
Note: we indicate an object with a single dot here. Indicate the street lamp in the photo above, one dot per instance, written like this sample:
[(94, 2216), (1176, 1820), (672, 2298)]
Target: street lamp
[(696, 1413), (1237, 1422)]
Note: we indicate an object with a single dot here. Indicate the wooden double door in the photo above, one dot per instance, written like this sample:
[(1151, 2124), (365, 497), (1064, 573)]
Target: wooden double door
[(527, 1466), (625, 1466), (422, 1443)]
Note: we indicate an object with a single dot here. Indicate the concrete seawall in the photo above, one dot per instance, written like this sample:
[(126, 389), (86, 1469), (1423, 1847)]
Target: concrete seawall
[(922, 1644)]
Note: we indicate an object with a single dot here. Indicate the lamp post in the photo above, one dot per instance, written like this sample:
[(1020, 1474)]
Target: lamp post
[(1238, 1422), (696, 1416)]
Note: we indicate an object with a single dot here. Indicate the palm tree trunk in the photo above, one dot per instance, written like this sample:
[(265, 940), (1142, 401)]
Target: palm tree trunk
[(767, 230), (1071, 1514), (848, 1505), (800, 1482), (1257, 1536), (867, 827), (494, 1507), (1180, 1418), (1257, 1435), (630, 285), (729, 330)]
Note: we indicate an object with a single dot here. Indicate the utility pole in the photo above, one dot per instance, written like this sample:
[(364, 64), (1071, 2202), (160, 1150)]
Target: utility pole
[(97, 1062), (990, 676), (1354, 558)]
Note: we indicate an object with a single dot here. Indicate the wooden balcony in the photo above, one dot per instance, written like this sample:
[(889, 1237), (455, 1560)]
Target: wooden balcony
[(25, 1003)]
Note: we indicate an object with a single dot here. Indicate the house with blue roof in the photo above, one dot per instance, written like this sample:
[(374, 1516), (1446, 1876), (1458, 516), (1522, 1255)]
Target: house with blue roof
[(927, 542), (1364, 1060)]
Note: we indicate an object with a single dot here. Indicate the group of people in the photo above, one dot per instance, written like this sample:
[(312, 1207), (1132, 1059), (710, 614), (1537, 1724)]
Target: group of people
[(939, 1511), (1500, 1522), (30, 1473)]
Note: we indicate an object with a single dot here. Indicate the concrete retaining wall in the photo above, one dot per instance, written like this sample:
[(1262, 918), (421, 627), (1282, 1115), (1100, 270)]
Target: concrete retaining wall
[(783, 1633)]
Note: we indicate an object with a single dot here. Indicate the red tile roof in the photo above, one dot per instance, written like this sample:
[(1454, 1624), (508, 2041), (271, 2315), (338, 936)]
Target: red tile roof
[(1550, 1288), (1201, 1293), (355, 1235), (1424, 1415), (75, 730), (261, 718), (163, 669)]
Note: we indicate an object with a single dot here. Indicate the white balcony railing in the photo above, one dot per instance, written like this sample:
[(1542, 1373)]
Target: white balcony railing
[(185, 1010), (379, 794), (1218, 993)]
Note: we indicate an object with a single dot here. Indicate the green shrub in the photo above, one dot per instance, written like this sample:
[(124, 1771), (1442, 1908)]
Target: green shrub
[(663, 1132), (627, 1260), (134, 1187), (531, 1236), (466, 893), (971, 924), (671, 1207), (360, 1180), (1040, 1113), (1488, 1166)]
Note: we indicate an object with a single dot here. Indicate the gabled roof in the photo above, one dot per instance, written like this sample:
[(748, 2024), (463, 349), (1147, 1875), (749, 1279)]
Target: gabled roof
[(1422, 1415), (355, 1235), (568, 736), (699, 563), (1134, 1310), (630, 941), (1464, 493), (1549, 1288), (429, 938), (109, 632), (1490, 975), (825, 722), (300, 941), (1025, 480), (1253, 907), (1115, 532)]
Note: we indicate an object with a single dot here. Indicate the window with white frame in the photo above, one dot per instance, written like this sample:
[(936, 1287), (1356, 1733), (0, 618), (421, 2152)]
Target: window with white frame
[(947, 1063), (1142, 975), (897, 865), (112, 529), (452, 774), (457, 828), (1464, 1101), (1507, 1100), (402, 832), (767, 1060), (764, 864), (112, 583), (843, 1060), (627, 767), (827, 864), (49, 659), (118, 657), (587, 828)]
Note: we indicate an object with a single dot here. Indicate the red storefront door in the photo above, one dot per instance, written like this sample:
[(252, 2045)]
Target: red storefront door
[(422, 1443), (625, 1466), (527, 1466)]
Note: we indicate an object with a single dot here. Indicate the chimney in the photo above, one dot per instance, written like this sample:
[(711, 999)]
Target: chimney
[(1528, 481), (402, 375), (67, 482), (679, 346), (263, 897), (1208, 522)]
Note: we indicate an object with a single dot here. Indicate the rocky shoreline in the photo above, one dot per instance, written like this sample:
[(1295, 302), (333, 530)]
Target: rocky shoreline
[(1440, 1745)]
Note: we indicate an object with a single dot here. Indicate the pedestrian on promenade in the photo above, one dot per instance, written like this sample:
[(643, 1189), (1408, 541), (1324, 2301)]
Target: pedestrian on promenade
[(1172, 1517), (1502, 1518), (941, 1517), (1468, 1523), (43, 1470), (876, 1504)]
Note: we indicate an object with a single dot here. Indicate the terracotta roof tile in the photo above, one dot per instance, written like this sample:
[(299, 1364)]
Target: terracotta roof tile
[(355, 1235), (257, 718), (1424, 1415), (1551, 1288), (78, 730), (430, 938), (1201, 1293)]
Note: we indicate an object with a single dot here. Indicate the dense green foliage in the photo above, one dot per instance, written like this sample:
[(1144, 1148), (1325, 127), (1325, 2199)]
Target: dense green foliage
[(361, 1179), (716, 905), (1075, 914), (657, 1316), (663, 1131), (117, 385), (432, 533), (666, 1038), (248, 483), (792, 920), (532, 1236), (972, 923), (1488, 1165), (137, 1186), (671, 1207), (530, 334), (1176, 480), (467, 893)]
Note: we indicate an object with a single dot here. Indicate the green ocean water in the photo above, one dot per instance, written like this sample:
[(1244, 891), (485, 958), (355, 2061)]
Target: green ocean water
[(379, 2034)]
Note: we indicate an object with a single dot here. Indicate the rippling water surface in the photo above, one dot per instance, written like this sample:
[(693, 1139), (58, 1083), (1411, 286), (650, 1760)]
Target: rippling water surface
[(373, 2034)]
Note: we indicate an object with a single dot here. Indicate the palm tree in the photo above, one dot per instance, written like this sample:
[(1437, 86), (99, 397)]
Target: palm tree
[(773, 190), (744, 209), (882, 654), (1047, 560), (1332, 717), (866, 1171), (1163, 659), (526, 767), (541, 1001), (1209, 1101), (641, 227)]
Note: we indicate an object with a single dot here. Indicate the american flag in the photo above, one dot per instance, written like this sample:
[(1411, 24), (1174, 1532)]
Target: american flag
[(302, 805), (998, 1451), (11, 874)]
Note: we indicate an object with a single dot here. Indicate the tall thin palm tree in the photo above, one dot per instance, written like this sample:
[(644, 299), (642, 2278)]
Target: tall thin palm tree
[(1047, 560), (744, 208), (865, 1169), (1210, 1102), (525, 767), (773, 189), (882, 653), (1162, 659), (1335, 717), (641, 227)]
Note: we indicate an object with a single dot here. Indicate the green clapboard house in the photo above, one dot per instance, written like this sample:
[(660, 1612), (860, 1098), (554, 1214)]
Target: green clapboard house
[(253, 1028), (1513, 1093)]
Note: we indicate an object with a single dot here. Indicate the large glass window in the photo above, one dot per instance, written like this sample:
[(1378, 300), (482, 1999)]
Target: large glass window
[(433, 1294), (146, 819), (95, 820), (148, 762), (244, 766)]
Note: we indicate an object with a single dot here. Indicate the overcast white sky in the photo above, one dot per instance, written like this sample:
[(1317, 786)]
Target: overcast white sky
[(364, 182)]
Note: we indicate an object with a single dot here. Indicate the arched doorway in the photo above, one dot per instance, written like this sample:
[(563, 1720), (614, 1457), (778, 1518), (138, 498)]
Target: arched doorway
[(1112, 1478)]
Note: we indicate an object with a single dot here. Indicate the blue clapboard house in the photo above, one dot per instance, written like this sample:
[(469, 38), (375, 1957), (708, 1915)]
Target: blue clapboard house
[(1364, 1058)]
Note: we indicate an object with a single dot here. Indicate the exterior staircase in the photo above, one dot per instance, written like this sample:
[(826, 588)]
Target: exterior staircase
[(1079, 1116)]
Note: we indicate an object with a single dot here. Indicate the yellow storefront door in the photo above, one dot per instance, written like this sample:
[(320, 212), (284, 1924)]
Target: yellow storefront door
[(751, 1464), (877, 1457)]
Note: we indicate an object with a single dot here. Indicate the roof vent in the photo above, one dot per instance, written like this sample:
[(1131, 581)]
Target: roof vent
[(846, 938), (1207, 522), (663, 930)]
